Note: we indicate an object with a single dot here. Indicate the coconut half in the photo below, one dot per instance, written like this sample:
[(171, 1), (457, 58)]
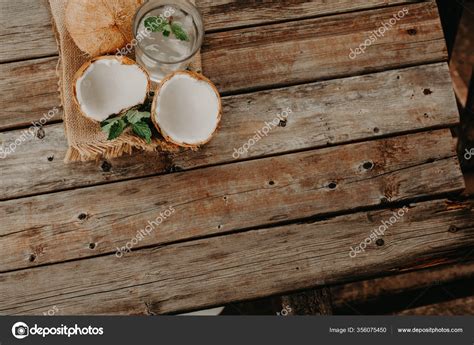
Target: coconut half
[(109, 85), (100, 27), (186, 109)]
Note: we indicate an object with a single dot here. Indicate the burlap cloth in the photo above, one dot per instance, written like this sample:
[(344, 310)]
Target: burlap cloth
[(85, 138)]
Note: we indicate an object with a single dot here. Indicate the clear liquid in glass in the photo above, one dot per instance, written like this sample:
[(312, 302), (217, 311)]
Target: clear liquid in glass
[(161, 55)]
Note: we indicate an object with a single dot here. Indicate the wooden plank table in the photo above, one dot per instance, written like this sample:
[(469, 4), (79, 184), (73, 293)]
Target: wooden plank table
[(365, 136)]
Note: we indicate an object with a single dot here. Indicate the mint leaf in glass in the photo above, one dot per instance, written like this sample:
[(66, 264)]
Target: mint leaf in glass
[(155, 24), (166, 26), (179, 32)]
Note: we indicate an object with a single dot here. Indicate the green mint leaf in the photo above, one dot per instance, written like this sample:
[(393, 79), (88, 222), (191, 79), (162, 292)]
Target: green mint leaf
[(116, 129), (142, 130), (179, 32), (167, 30), (134, 116), (108, 121), (155, 24), (106, 125)]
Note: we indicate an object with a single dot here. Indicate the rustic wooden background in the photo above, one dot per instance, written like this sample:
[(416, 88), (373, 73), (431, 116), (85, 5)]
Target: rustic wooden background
[(367, 136)]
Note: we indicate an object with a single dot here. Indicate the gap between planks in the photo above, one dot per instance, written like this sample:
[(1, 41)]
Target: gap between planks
[(323, 114), (60, 226), (36, 38), (310, 50), (242, 266)]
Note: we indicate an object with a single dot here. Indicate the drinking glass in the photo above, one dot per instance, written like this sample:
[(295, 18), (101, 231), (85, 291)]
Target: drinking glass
[(160, 45)]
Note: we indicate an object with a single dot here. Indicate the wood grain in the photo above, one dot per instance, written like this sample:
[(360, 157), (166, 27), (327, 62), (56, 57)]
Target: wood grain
[(313, 49), (21, 39), (308, 302), (241, 266), (329, 112), (61, 226), (460, 306), (269, 56), (385, 288), (27, 38), (29, 90)]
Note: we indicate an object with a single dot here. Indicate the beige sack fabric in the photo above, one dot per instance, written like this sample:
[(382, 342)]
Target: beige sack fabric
[(85, 138)]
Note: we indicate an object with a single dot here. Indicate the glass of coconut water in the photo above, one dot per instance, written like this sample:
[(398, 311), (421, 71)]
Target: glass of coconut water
[(168, 33)]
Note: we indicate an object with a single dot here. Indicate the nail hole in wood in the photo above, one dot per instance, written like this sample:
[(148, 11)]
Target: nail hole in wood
[(40, 134), (106, 166), (92, 245), (82, 216), (398, 77), (380, 242), (453, 229), (219, 226), (50, 158), (271, 183), (282, 123), (412, 32), (426, 115), (32, 257), (332, 185), (427, 92), (368, 165), (376, 130), (384, 200)]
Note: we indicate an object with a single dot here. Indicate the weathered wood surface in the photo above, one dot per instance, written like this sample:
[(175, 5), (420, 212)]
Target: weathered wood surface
[(329, 112), (223, 269), (57, 227), (272, 55), (308, 302), (32, 38), (28, 38), (29, 89), (460, 306), (373, 292), (246, 13), (313, 49), (253, 200)]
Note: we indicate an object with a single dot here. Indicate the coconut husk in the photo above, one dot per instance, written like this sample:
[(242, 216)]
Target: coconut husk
[(85, 139)]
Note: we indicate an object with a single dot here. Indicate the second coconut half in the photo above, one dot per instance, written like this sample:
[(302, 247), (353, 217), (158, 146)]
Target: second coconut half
[(186, 109)]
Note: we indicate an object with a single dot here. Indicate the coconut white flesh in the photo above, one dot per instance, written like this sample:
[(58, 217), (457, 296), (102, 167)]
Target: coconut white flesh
[(187, 110), (107, 87)]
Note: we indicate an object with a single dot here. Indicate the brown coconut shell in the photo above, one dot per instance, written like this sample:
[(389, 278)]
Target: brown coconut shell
[(199, 77), (101, 27), (124, 61)]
